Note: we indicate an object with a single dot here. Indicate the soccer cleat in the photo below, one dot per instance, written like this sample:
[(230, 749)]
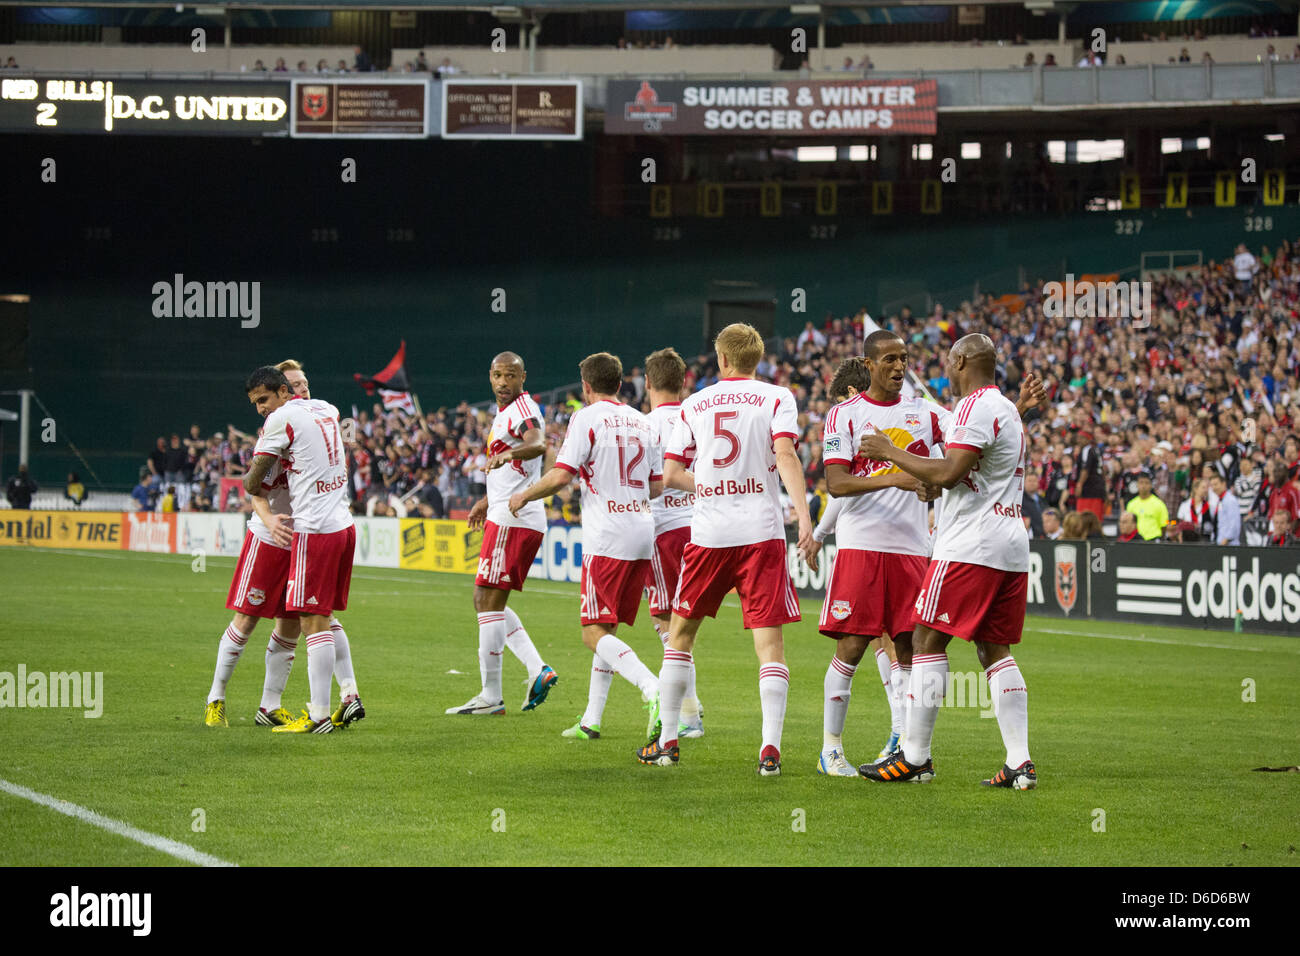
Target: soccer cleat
[(653, 754), (580, 732), (349, 712), (654, 726), (896, 769), (272, 718), (540, 688), (769, 766), (479, 705), (305, 725), (214, 715), (832, 764), (1024, 777), (892, 746), (691, 729)]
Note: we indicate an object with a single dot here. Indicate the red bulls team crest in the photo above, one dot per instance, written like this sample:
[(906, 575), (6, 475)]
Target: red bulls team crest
[(841, 610), (315, 101), (1066, 578)]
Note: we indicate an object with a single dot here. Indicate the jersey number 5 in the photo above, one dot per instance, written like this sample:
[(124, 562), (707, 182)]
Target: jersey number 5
[(730, 436)]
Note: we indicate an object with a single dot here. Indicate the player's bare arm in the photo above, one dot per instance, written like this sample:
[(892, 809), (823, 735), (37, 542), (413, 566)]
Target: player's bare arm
[(841, 483), (534, 445), (477, 514), (790, 468), (656, 488), (677, 477), (280, 526), (944, 472), (544, 487), (256, 473), (1032, 394)]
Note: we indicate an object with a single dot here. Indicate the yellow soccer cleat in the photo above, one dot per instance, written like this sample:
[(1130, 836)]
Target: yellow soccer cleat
[(305, 725), (273, 718), (214, 715)]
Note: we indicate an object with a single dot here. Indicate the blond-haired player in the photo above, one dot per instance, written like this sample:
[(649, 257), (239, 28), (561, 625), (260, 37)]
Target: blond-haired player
[(741, 435)]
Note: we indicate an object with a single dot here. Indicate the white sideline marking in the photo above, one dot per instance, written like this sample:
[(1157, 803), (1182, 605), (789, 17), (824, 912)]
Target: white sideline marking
[(1144, 640), (181, 851)]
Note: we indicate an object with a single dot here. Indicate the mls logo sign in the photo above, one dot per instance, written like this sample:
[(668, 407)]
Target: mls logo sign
[(315, 101), (1066, 578)]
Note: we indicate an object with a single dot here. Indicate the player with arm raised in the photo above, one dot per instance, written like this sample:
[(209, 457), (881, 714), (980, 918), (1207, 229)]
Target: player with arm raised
[(304, 436), (609, 447), (976, 584), (741, 435), (665, 375), (510, 542)]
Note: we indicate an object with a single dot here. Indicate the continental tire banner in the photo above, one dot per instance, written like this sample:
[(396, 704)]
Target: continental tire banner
[(1178, 585), (97, 530), (861, 107)]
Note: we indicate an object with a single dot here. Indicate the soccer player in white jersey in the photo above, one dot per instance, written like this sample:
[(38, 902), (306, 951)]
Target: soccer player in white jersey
[(976, 584), (304, 436), (883, 543), (516, 445), (609, 447), (665, 375), (741, 435), (257, 590)]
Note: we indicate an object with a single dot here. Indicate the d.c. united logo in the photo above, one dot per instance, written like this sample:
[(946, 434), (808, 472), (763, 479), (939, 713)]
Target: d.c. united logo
[(1066, 578), (315, 101)]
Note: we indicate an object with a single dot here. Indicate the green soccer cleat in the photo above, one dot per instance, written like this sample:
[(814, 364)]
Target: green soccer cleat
[(214, 714), (654, 725), (579, 732)]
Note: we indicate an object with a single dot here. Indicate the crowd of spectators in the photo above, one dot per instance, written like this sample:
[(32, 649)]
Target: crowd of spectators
[(361, 63), (1188, 421)]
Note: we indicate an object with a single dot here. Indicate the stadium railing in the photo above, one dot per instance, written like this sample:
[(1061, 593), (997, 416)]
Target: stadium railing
[(972, 90)]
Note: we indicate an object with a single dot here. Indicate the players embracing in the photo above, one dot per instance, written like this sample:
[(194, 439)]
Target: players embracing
[(976, 584)]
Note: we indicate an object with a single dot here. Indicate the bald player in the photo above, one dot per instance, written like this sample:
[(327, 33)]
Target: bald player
[(977, 581), (516, 445)]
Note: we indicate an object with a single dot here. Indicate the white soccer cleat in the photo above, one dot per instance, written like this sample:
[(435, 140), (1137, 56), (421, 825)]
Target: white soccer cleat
[(479, 705), (832, 764)]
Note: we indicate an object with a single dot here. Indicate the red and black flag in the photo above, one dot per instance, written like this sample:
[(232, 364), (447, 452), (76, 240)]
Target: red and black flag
[(391, 383)]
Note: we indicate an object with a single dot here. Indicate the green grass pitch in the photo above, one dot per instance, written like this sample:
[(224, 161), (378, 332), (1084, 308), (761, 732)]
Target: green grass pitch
[(1144, 724)]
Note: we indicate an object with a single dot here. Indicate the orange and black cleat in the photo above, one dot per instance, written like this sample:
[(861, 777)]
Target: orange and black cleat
[(1024, 777), (896, 769), (658, 756)]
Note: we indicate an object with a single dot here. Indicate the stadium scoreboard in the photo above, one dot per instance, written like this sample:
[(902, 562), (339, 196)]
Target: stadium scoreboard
[(113, 106)]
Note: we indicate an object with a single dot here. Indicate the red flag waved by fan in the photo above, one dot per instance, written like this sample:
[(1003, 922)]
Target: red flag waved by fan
[(391, 383)]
